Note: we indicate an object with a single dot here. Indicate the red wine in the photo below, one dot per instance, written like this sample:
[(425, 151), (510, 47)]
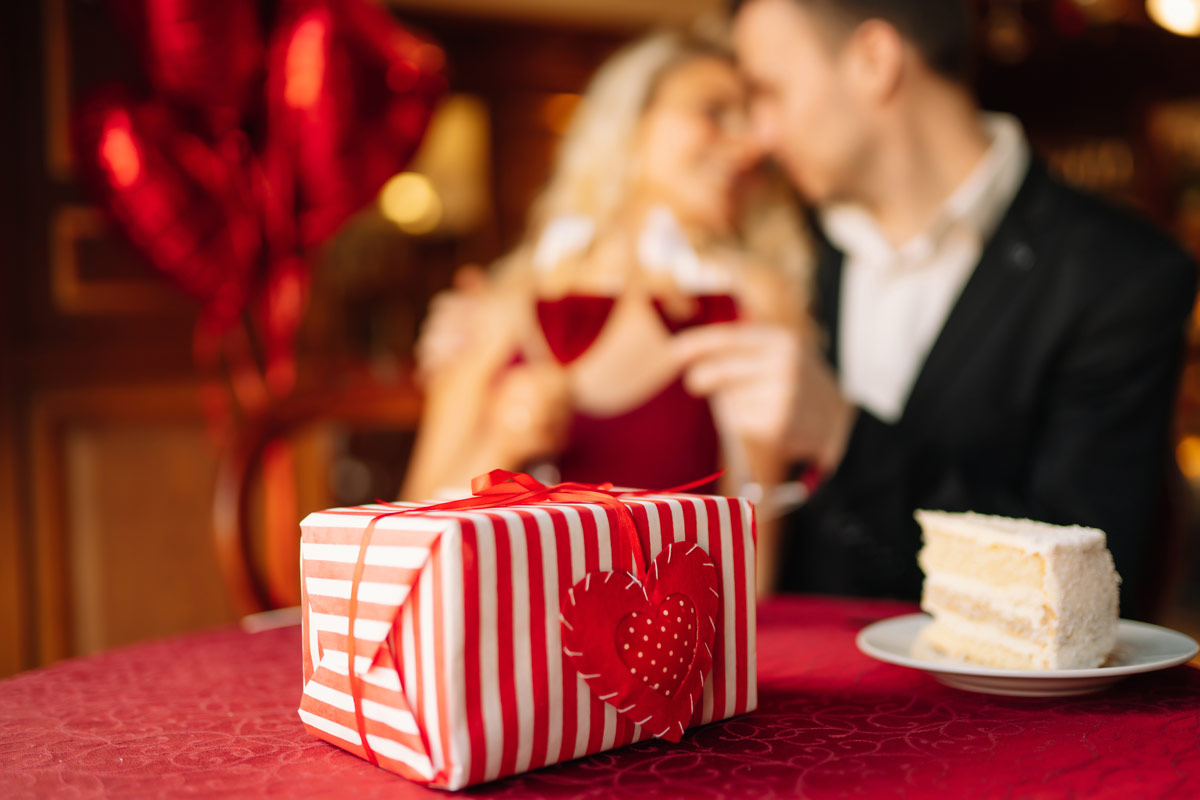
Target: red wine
[(572, 322), (707, 309)]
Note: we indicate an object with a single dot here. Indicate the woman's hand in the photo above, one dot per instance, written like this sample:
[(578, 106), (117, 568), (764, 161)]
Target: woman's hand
[(451, 326), (529, 414)]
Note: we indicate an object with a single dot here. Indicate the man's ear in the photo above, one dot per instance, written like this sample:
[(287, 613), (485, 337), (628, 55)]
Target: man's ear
[(875, 56)]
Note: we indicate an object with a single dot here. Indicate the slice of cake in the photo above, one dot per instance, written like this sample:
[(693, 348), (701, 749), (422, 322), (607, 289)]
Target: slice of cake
[(1015, 593)]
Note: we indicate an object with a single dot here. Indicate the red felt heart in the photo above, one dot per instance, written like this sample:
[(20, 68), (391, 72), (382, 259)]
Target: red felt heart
[(657, 647), (646, 649)]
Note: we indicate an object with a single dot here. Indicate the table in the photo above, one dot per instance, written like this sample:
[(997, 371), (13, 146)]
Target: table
[(214, 715)]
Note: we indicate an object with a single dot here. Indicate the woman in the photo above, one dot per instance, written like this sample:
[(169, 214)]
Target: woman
[(657, 216)]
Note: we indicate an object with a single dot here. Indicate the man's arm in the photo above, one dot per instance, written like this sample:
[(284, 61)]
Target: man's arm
[(1106, 435), (1099, 448), (1096, 455)]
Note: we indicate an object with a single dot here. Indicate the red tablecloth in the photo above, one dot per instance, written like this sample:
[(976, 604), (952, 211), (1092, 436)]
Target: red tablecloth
[(215, 715)]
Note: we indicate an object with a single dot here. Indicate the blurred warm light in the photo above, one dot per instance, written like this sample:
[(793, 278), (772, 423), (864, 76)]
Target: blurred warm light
[(1174, 129), (1104, 163), (304, 64), (1103, 11), (1177, 16), (410, 201), (557, 111), (1187, 454), (1006, 34), (454, 156), (446, 188), (118, 151)]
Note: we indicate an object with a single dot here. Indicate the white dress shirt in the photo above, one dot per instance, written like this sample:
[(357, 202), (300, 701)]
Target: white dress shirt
[(895, 300)]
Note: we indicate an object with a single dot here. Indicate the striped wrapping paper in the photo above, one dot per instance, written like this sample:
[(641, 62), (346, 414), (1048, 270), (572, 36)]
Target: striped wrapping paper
[(462, 672)]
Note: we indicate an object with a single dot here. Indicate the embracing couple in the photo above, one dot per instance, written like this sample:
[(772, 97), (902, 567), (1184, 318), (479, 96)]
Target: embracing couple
[(948, 327)]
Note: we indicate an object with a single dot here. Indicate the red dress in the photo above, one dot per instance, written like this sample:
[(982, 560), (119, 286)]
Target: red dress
[(667, 441)]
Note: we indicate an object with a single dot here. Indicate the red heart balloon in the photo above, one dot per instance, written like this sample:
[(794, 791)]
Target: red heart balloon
[(183, 203), (281, 310), (350, 94), (206, 55), (646, 649)]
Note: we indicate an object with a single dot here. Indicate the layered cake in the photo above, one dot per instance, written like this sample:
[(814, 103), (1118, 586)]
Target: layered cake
[(1015, 593)]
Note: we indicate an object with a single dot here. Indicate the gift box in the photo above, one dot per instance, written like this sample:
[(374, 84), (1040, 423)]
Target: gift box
[(527, 625)]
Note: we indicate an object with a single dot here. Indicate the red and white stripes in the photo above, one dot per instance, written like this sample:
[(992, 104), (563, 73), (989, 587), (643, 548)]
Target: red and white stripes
[(463, 675)]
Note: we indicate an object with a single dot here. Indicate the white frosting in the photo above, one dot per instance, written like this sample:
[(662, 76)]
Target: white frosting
[(1033, 537)]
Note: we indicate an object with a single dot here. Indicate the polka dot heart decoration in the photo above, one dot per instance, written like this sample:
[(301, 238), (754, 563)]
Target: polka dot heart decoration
[(658, 647), (646, 649)]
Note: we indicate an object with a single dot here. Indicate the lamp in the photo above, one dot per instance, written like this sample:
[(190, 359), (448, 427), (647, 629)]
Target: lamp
[(446, 188), (1177, 16)]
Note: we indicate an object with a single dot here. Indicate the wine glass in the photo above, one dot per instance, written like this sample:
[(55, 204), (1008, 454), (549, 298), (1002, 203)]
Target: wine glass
[(701, 309), (571, 318), (689, 290), (571, 323)]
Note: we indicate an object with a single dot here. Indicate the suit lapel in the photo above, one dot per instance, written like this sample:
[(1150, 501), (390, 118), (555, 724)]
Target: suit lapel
[(1004, 267)]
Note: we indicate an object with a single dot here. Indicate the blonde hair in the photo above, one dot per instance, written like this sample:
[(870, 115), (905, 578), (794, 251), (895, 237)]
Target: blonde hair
[(593, 171)]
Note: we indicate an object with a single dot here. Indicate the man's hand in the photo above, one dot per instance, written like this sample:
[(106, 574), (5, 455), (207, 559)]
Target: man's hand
[(770, 387)]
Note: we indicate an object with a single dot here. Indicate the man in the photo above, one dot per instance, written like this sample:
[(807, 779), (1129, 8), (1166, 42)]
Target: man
[(994, 340)]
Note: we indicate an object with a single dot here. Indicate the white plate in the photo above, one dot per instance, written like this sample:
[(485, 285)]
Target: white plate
[(1141, 647)]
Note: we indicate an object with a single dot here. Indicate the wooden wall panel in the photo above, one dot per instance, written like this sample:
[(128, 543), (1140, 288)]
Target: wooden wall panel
[(122, 479), (14, 573), (16, 582), (139, 532)]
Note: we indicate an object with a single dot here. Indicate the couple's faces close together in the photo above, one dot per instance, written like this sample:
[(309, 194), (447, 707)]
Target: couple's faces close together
[(801, 92), (694, 142)]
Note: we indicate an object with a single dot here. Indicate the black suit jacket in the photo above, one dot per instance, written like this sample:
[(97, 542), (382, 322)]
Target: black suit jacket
[(1048, 394)]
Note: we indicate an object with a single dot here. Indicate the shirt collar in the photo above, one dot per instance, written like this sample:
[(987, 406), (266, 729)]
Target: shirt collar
[(976, 206)]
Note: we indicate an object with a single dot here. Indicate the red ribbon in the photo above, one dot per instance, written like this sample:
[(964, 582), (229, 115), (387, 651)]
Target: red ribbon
[(497, 489)]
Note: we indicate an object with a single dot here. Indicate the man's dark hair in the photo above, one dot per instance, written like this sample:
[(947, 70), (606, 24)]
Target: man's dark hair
[(941, 30)]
